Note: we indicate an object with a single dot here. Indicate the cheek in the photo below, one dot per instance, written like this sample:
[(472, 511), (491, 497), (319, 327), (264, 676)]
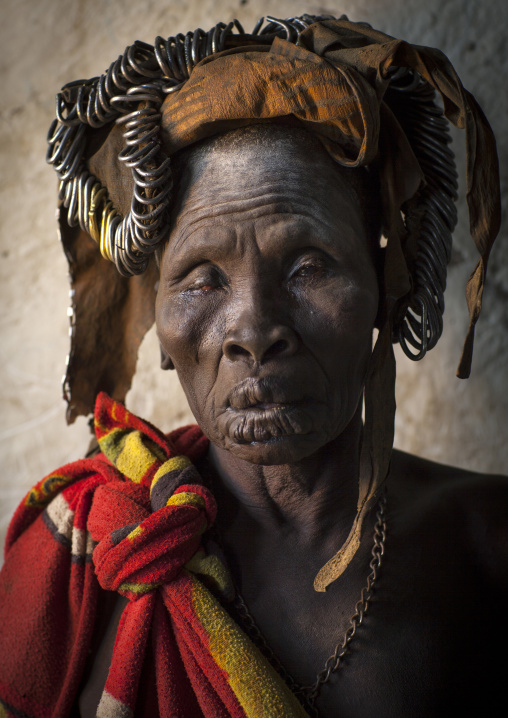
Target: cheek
[(190, 332), (169, 321), (339, 334), (183, 326), (340, 322)]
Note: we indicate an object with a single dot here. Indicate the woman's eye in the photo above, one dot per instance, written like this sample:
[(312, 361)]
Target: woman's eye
[(202, 287), (204, 280), (205, 285), (309, 270)]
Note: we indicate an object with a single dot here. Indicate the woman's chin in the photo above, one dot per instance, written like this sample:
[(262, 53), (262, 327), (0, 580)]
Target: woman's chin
[(275, 450)]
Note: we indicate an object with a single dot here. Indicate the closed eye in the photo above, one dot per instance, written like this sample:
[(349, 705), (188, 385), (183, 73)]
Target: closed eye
[(308, 270), (311, 268), (204, 278)]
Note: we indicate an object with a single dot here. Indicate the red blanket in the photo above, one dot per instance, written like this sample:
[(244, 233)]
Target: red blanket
[(129, 520)]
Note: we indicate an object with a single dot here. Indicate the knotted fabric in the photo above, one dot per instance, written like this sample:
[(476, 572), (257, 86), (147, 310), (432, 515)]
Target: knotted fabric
[(129, 520)]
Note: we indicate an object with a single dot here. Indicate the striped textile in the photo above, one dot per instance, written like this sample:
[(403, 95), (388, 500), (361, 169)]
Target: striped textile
[(128, 520)]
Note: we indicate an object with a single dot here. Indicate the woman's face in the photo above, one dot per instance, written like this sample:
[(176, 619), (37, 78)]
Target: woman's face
[(267, 301)]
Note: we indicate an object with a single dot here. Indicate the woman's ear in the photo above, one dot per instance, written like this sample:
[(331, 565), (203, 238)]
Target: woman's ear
[(166, 361)]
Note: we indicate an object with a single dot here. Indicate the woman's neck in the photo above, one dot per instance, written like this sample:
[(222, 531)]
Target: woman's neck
[(311, 498)]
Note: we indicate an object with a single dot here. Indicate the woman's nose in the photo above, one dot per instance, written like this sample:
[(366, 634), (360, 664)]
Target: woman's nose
[(257, 339)]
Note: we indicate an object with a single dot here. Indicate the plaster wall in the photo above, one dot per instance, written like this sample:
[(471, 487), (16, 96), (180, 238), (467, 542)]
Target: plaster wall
[(46, 43)]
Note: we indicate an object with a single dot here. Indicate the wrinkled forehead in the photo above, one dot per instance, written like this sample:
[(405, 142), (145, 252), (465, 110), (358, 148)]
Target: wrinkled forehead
[(234, 178), (289, 158)]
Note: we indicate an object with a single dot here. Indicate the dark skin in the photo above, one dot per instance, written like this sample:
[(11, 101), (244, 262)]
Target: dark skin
[(266, 306)]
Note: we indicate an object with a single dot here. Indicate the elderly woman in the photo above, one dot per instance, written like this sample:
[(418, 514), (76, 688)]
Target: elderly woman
[(290, 563)]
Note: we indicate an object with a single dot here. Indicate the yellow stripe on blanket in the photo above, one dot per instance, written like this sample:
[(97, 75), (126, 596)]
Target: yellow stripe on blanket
[(186, 498), (259, 689), (135, 459), (135, 533), (42, 493), (213, 570), (138, 588), (176, 463), (111, 443)]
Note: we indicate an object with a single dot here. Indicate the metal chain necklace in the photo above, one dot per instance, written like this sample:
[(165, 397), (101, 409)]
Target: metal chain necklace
[(309, 694)]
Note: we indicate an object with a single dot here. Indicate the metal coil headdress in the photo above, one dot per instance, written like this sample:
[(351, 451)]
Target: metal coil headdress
[(145, 74)]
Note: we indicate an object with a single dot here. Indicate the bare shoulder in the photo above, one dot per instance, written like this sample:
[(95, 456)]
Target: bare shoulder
[(419, 477), (468, 507)]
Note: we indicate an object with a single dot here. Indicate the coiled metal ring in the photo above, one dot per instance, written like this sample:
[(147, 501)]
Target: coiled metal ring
[(131, 92), (420, 323)]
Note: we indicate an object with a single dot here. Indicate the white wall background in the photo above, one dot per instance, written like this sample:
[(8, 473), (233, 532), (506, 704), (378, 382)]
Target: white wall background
[(45, 43)]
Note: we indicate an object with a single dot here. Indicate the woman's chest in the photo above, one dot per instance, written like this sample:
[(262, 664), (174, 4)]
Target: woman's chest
[(409, 665), (418, 648)]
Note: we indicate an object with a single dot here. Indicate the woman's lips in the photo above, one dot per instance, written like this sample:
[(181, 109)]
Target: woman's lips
[(245, 426), (260, 394), (263, 409)]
